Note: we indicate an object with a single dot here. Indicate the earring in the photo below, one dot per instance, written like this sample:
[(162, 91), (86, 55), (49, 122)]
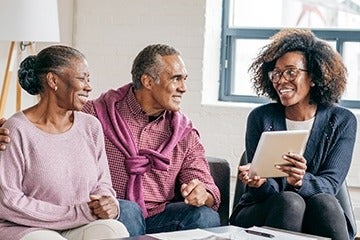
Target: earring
[(55, 88), (312, 84)]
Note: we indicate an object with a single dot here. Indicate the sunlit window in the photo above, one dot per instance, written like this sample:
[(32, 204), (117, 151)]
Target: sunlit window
[(247, 26)]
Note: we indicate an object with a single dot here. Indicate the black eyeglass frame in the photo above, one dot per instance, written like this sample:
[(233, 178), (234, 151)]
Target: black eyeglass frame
[(281, 74)]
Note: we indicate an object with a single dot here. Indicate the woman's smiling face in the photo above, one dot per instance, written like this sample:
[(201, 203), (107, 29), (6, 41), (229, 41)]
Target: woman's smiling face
[(74, 87), (297, 91)]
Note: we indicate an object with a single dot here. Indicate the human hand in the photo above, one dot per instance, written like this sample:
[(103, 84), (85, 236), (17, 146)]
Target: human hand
[(4, 135), (195, 194), (296, 168), (244, 177), (104, 207)]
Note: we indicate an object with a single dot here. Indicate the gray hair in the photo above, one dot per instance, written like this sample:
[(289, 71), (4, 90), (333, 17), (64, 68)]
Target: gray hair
[(51, 59), (148, 62)]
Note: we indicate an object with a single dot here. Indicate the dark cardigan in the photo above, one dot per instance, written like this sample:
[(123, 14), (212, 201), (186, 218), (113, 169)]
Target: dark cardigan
[(328, 151)]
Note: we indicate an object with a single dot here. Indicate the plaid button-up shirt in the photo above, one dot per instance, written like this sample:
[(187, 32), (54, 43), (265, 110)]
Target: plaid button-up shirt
[(187, 160)]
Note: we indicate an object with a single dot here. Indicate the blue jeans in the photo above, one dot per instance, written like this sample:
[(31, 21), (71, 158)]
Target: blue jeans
[(131, 216), (176, 216), (180, 216)]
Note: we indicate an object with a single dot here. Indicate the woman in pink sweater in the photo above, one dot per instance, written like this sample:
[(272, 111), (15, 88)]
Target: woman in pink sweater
[(54, 178)]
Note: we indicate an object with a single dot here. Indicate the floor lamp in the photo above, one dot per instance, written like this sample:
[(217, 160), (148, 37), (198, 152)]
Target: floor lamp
[(24, 22)]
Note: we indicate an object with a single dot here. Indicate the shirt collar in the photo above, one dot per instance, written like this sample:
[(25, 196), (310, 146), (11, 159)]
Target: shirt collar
[(135, 107)]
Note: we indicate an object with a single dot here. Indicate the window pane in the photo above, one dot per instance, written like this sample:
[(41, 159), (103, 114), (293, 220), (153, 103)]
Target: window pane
[(351, 55), (251, 23), (246, 51), (295, 13)]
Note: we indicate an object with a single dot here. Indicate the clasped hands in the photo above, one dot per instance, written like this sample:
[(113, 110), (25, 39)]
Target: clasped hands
[(195, 194), (295, 169), (104, 207)]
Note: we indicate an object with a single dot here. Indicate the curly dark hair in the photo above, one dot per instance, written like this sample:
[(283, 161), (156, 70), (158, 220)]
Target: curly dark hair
[(148, 62), (323, 63), (51, 59)]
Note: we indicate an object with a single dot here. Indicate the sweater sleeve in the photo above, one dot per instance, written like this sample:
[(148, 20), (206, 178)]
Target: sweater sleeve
[(329, 166), (21, 208), (104, 185)]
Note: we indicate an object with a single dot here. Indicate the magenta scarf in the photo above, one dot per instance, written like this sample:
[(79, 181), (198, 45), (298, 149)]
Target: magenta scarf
[(137, 161)]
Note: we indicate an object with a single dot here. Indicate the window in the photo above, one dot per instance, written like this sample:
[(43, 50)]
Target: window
[(247, 27)]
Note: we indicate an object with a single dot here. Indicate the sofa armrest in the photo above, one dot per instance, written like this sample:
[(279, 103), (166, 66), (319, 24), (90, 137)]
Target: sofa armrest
[(220, 171)]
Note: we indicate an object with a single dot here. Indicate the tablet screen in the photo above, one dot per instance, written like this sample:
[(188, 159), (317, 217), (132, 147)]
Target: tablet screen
[(272, 146)]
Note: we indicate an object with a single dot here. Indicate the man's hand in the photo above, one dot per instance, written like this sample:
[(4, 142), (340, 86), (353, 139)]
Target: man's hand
[(194, 193), (4, 135), (104, 207)]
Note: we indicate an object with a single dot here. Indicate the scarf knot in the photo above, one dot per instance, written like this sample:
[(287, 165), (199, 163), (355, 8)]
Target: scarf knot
[(137, 165), (147, 159)]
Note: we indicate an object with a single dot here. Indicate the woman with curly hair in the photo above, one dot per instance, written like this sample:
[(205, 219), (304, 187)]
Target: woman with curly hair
[(305, 78)]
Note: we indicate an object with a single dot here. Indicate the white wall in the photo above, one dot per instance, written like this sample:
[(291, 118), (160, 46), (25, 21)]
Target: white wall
[(112, 32)]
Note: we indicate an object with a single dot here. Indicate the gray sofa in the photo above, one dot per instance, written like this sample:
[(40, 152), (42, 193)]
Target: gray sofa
[(220, 171)]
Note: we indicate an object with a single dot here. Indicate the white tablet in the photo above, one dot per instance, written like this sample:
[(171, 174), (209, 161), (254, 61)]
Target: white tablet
[(272, 146)]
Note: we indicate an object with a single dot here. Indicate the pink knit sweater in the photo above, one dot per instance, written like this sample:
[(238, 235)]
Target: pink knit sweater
[(46, 179)]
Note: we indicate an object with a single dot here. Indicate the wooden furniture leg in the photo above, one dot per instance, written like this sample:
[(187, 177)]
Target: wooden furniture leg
[(7, 78)]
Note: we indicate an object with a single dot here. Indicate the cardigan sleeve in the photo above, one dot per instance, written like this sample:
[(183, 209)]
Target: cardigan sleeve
[(258, 122), (330, 164)]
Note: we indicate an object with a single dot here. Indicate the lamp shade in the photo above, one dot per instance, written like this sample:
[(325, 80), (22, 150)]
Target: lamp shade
[(29, 20)]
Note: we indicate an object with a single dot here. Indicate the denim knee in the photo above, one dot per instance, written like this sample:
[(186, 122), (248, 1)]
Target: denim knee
[(201, 217), (131, 216)]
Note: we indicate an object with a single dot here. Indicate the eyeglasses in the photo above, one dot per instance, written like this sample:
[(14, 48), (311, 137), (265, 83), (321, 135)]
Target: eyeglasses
[(290, 74)]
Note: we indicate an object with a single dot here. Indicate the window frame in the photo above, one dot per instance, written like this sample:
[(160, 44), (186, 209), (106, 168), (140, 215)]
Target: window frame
[(229, 37)]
